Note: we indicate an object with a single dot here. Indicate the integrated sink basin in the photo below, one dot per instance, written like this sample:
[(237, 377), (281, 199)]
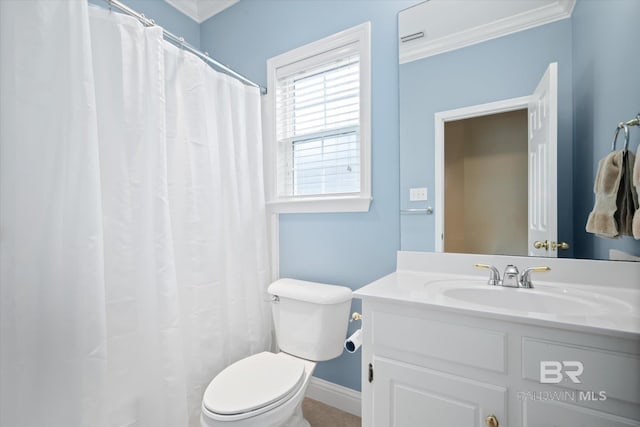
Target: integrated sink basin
[(524, 300), (543, 299)]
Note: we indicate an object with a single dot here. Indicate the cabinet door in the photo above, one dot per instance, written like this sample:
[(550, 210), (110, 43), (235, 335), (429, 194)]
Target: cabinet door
[(406, 395)]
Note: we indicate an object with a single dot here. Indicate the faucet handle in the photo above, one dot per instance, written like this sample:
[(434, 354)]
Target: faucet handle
[(525, 278), (494, 274)]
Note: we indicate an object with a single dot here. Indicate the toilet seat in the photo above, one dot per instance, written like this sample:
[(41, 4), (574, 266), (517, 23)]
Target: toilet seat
[(253, 385)]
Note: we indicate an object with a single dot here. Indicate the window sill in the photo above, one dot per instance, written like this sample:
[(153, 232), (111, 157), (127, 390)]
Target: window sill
[(321, 204)]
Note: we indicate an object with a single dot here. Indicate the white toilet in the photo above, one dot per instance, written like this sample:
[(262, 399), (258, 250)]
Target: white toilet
[(267, 389)]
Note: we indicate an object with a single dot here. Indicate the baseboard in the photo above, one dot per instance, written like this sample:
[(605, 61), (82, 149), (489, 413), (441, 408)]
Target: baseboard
[(335, 395)]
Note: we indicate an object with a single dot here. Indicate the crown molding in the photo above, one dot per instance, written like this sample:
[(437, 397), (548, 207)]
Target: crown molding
[(201, 10), (423, 47)]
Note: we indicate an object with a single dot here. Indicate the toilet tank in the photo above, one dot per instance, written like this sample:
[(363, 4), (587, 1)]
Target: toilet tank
[(310, 318)]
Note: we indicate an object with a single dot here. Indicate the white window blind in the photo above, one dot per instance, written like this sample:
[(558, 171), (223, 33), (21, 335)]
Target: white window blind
[(318, 124)]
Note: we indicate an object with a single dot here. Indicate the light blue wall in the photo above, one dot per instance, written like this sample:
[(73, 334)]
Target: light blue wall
[(166, 16), (606, 80), (347, 249), (507, 67)]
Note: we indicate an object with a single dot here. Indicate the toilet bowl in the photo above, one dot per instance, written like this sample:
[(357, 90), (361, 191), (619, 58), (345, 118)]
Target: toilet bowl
[(250, 396), (267, 389)]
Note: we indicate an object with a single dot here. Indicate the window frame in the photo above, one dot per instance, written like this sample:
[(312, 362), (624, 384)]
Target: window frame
[(333, 202)]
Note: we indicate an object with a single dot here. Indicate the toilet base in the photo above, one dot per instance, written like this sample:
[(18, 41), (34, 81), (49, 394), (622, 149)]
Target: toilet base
[(297, 419)]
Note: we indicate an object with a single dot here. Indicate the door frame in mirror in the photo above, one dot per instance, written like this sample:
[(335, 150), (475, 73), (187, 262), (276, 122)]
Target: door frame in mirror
[(441, 118)]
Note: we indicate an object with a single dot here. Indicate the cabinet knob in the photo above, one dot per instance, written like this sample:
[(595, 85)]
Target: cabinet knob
[(491, 421)]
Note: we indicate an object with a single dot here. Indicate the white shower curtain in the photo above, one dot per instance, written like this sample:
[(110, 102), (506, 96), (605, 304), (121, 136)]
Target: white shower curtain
[(133, 255), (52, 311)]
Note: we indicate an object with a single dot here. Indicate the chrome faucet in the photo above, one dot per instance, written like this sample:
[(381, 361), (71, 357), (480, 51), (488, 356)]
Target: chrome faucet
[(511, 277)]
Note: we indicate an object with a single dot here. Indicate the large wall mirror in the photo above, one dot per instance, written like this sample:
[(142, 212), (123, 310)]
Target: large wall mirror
[(503, 122)]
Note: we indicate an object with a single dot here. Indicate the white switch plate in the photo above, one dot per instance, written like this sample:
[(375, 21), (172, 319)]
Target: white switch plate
[(417, 194)]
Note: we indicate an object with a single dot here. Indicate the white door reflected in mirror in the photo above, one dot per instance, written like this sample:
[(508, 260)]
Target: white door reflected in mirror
[(543, 141)]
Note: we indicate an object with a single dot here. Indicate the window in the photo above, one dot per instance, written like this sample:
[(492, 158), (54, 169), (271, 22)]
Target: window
[(318, 157)]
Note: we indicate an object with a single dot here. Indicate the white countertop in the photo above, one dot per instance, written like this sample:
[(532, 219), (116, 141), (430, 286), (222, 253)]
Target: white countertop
[(620, 316)]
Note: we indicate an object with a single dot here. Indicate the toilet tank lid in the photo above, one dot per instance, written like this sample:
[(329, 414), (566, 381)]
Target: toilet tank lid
[(318, 293)]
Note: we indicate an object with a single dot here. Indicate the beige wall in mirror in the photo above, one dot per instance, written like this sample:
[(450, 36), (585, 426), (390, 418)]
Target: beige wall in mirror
[(485, 171)]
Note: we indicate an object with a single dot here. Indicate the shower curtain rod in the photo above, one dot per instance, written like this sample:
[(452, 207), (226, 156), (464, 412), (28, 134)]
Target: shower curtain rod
[(183, 44)]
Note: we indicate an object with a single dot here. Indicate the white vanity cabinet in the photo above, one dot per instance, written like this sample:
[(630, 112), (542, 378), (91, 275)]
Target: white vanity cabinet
[(441, 368), (411, 395), (443, 348), (413, 358)]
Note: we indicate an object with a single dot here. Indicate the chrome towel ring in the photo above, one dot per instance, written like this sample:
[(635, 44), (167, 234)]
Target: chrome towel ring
[(625, 125)]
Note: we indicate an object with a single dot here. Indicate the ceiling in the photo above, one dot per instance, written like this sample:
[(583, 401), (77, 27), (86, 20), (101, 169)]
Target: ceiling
[(201, 10)]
